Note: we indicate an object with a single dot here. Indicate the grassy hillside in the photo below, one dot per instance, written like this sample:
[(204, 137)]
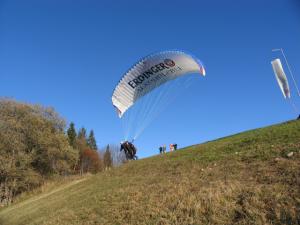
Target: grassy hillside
[(242, 179)]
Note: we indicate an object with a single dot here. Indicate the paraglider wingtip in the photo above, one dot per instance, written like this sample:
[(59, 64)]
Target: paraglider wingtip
[(202, 71), (120, 114)]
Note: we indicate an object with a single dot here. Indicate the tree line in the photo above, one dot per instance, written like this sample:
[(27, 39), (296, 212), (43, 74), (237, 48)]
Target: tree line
[(36, 145)]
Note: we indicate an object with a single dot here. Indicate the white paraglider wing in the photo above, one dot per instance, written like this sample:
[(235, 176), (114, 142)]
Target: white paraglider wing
[(281, 78), (150, 73)]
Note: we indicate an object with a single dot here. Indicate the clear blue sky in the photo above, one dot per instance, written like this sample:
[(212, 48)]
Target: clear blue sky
[(70, 55)]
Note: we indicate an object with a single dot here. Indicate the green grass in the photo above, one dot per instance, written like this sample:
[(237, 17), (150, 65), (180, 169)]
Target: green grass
[(242, 179)]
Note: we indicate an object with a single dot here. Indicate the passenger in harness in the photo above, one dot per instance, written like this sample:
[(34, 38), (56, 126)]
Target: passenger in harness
[(129, 150)]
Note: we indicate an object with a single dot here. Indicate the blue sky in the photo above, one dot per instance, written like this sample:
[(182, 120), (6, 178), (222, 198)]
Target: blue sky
[(71, 54)]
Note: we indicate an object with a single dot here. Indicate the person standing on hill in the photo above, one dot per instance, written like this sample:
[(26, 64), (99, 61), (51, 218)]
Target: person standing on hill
[(164, 149), (175, 147), (160, 150), (171, 148)]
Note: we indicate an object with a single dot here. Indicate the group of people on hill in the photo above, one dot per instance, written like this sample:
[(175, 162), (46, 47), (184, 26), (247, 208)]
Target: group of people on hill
[(129, 150), (163, 149)]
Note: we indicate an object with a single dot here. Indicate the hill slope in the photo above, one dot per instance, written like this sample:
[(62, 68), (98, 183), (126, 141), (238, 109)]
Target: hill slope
[(243, 179)]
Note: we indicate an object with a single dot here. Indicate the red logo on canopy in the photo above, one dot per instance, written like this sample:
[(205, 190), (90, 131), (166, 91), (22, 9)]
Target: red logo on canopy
[(169, 62)]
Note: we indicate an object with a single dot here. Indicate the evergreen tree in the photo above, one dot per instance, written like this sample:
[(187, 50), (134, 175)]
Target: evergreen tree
[(71, 132), (92, 141), (82, 134)]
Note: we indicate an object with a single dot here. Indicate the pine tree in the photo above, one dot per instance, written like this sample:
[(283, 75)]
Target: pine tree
[(71, 132), (82, 133), (92, 141)]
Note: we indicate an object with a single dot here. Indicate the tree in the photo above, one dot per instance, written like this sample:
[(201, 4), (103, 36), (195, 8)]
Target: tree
[(82, 133), (81, 144), (118, 157), (71, 132), (91, 141), (90, 161), (33, 146), (107, 159)]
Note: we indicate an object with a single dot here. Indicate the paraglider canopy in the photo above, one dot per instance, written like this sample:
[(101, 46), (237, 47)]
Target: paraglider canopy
[(151, 72), (149, 86)]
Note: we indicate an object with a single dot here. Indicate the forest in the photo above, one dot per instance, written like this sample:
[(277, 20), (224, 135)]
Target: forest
[(37, 145)]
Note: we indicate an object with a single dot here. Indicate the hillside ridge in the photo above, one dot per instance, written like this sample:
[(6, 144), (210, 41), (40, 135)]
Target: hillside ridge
[(246, 178)]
